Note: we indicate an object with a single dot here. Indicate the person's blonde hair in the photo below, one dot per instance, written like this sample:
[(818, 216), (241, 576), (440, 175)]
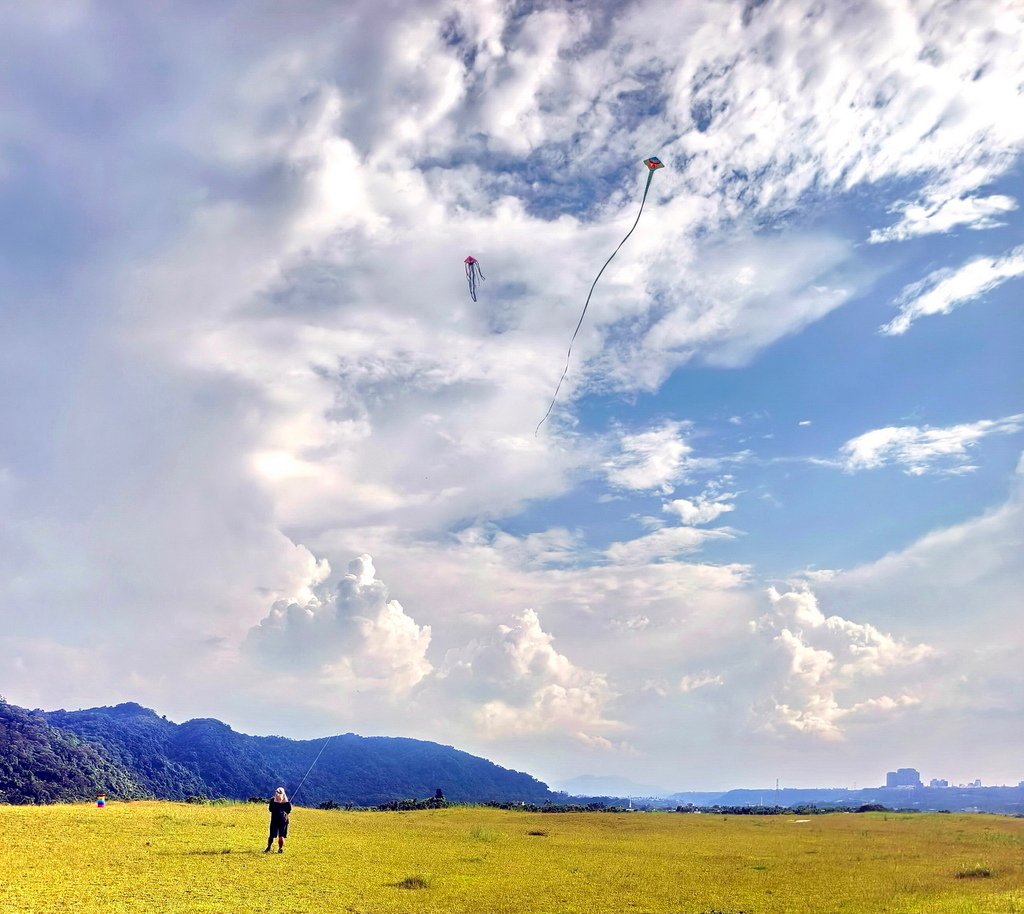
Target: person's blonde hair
[(284, 796)]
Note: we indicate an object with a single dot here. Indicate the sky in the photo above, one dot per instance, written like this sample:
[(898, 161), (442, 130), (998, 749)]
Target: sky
[(262, 457)]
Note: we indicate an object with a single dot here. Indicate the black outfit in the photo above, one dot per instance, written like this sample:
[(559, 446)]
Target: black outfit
[(279, 819)]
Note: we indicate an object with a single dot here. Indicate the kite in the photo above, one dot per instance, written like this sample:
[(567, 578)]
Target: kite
[(472, 272), (653, 164)]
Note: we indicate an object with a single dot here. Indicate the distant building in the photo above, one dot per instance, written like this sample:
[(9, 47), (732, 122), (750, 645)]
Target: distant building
[(938, 782), (903, 777)]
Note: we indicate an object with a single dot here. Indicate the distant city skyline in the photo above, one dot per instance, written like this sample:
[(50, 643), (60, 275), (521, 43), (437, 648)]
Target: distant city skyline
[(580, 784)]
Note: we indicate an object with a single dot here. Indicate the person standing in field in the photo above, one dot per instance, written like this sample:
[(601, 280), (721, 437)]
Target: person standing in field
[(280, 809)]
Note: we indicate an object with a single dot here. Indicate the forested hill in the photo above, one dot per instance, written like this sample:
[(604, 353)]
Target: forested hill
[(130, 750), (42, 764)]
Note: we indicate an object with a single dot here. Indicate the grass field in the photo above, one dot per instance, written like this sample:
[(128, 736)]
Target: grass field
[(167, 857)]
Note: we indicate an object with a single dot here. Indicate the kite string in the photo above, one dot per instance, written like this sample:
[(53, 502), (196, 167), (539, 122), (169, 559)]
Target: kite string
[(317, 759), (579, 324)]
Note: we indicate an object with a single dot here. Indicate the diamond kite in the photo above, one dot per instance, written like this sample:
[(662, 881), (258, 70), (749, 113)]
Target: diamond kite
[(653, 164)]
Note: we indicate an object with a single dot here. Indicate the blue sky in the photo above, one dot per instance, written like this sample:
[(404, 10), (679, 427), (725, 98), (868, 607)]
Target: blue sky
[(263, 458)]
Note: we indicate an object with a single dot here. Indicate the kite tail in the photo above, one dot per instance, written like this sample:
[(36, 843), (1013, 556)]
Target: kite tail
[(472, 271), (586, 305)]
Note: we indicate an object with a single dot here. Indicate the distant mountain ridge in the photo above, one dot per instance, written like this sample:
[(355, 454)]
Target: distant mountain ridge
[(131, 751), (592, 785)]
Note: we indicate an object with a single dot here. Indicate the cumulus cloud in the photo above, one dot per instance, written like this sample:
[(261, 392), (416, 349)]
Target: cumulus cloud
[(523, 686), (959, 587), (944, 290), (703, 509), (354, 637), (923, 450), (821, 660)]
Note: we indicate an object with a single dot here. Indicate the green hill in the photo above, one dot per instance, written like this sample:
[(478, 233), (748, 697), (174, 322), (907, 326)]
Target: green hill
[(206, 758), (40, 763)]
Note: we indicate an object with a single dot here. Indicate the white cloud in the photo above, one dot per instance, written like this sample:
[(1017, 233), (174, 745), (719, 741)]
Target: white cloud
[(666, 544), (523, 686), (944, 290), (703, 509), (651, 460), (605, 745), (534, 550), (353, 638), (635, 623), (725, 317), (531, 72), (923, 450), (669, 543), (960, 588), (699, 681), (900, 92), (823, 658), (936, 216)]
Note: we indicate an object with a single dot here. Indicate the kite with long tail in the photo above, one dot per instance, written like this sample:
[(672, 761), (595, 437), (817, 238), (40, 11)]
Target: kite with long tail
[(472, 272), (653, 164)]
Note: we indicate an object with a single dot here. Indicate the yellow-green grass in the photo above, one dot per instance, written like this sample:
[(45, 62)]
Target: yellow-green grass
[(167, 857)]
